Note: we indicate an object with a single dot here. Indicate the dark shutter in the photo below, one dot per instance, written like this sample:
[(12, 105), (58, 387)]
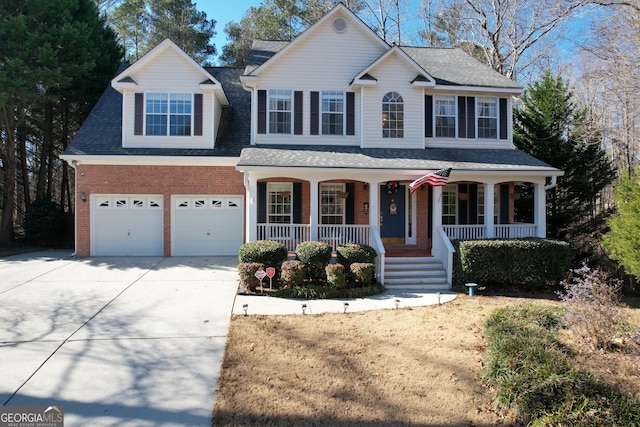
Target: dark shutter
[(262, 202), (315, 113), (139, 114), (350, 211), (297, 203), (473, 203), (351, 113), (262, 111), (463, 205), (197, 114), (430, 211), (504, 203), (471, 117), (297, 113), (428, 116), (503, 118), (462, 117)]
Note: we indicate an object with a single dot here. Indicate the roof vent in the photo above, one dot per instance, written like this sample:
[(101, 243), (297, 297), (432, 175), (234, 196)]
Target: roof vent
[(339, 25)]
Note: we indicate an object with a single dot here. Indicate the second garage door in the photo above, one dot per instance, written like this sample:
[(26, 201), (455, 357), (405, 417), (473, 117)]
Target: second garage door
[(207, 225)]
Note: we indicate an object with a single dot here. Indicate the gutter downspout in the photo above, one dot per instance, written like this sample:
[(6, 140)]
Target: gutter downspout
[(553, 184)]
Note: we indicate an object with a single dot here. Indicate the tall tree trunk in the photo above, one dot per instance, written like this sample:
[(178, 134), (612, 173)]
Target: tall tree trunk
[(8, 156), (24, 169)]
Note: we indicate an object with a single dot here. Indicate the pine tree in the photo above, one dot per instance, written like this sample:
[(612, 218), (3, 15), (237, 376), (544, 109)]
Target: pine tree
[(623, 239), (552, 128)]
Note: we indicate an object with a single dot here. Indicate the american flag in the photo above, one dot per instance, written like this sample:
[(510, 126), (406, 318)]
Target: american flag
[(434, 179)]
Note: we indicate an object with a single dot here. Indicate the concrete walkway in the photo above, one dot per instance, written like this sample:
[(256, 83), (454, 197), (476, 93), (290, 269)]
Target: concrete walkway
[(131, 341)]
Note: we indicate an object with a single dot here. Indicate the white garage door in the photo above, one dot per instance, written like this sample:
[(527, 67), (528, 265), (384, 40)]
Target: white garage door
[(207, 225), (127, 225)]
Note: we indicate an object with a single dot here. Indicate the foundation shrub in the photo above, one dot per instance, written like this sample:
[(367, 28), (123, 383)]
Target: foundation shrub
[(267, 252), (336, 276), (246, 271), (524, 263), (363, 273), (315, 256), (350, 253), (292, 273)]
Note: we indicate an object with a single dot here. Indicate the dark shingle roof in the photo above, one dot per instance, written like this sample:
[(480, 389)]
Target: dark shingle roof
[(456, 67), (261, 50), (101, 132), (390, 159)]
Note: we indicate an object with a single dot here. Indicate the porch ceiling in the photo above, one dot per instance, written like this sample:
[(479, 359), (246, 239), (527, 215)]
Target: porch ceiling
[(341, 157)]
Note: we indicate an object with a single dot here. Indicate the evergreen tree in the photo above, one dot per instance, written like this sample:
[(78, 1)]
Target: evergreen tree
[(623, 239), (552, 128)]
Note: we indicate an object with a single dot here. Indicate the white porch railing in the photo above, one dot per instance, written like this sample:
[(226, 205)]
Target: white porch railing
[(479, 232), (288, 234), (515, 231), (376, 243), (337, 234), (465, 232), (443, 250)]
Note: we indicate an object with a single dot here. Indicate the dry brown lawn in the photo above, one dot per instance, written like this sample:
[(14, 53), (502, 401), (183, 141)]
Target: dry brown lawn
[(410, 367)]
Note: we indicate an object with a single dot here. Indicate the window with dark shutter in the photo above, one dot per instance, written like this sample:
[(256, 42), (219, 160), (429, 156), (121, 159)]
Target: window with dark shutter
[(315, 113), (139, 114), (197, 114), (262, 111)]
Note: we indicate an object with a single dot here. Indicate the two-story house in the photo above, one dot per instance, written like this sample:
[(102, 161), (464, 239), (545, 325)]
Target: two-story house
[(317, 139)]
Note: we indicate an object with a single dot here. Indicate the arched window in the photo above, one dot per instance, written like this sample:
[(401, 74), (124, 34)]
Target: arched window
[(392, 116)]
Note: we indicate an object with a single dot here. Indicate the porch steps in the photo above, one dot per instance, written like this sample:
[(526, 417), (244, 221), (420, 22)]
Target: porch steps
[(419, 273)]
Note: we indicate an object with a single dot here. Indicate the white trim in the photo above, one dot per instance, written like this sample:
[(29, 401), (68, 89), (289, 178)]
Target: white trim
[(452, 88), (142, 160)]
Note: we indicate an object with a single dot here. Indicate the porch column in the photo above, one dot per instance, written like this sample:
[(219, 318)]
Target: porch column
[(251, 216), (313, 209), (374, 205), (436, 242), (489, 214), (540, 210)]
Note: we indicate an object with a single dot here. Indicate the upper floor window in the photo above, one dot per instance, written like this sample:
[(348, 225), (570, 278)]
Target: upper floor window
[(445, 116), (332, 113), (168, 114), (487, 111), (332, 205), (392, 116), (280, 110)]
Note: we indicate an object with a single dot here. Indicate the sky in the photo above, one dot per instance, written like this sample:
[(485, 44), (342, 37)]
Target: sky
[(224, 11)]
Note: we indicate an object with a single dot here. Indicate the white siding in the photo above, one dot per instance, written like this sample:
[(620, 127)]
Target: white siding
[(394, 75), (321, 60), (169, 72)]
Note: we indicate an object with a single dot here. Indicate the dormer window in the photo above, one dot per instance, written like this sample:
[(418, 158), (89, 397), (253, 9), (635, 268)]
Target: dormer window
[(168, 114), (392, 116)]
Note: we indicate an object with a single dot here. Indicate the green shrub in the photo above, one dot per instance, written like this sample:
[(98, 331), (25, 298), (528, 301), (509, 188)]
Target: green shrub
[(352, 252), (292, 273), (43, 220), (336, 276), (247, 271), (267, 252), (526, 263), (324, 292), (315, 256), (364, 273)]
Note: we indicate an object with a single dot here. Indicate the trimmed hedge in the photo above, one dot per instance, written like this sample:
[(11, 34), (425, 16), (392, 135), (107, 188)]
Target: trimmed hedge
[(363, 272), (247, 271), (350, 253), (527, 263), (315, 256), (267, 252), (336, 276), (325, 292), (292, 273)]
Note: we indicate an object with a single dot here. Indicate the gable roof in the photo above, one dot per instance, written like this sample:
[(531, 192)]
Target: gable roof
[(101, 132), (422, 76), (338, 8)]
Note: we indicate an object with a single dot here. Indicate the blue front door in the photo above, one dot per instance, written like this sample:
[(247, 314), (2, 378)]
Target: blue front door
[(392, 214)]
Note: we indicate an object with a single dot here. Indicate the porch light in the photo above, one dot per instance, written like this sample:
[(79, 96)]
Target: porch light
[(365, 186), (397, 303), (365, 208), (346, 306), (83, 196), (245, 307), (439, 295), (304, 308)]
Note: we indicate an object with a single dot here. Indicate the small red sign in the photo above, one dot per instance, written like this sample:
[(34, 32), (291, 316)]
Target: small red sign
[(271, 272), (260, 274)]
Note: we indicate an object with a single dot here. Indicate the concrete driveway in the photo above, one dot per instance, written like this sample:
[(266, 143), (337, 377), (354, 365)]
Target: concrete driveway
[(115, 341)]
